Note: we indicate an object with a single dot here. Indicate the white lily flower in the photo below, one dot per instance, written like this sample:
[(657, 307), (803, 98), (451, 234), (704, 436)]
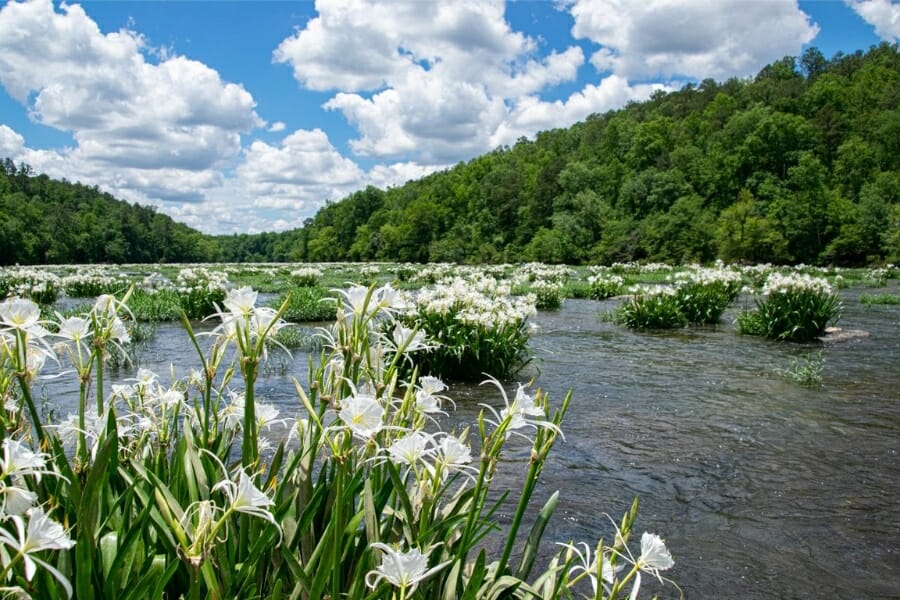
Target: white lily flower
[(404, 570), (589, 566), (522, 412), (654, 556), (355, 298), (408, 339), (363, 414), (244, 497), (75, 329), (241, 301), (19, 313), (105, 306), (410, 449), (41, 533), (18, 459), (428, 398), (16, 500), (453, 456), (118, 331)]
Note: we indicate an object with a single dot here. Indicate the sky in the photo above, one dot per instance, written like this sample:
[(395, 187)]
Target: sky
[(240, 116)]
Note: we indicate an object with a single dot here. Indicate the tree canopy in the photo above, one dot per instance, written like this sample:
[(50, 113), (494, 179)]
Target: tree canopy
[(45, 221)]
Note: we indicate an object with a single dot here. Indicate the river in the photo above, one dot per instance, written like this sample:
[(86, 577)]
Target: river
[(762, 487)]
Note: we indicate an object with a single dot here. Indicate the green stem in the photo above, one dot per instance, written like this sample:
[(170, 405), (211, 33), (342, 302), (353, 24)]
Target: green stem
[(9, 566), (194, 593), (81, 450), (475, 511), (32, 409), (98, 357), (534, 469), (250, 446), (338, 532)]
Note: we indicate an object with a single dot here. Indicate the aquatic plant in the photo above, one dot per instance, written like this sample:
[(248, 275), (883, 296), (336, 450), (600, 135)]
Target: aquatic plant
[(155, 306), (605, 285), (200, 290), (792, 307), (90, 282), (805, 371), (145, 494), (548, 294), (652, 307), (308, 304), (871, 299), (704, 294), (473, 327), (306, 276), (41, 285)]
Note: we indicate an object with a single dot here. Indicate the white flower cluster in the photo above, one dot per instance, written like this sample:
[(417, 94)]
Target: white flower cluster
[(605, 278), (795, 282), (156, 282), (200, 279), (370, 270), (481, 300), (32, 282), (634, 267), (434, 272), (653, 291), (303, 272), (539, 271), (706, 276), (33, 530), (91, 281)]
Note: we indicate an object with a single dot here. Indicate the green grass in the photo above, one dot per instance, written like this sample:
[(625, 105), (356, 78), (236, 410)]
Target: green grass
[(870, 299), (307, 304)]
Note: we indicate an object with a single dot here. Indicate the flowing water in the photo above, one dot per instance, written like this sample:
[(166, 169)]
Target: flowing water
[(762, 487)]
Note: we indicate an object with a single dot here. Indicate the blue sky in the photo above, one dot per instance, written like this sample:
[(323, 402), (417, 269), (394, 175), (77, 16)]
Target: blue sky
[(246, 116)]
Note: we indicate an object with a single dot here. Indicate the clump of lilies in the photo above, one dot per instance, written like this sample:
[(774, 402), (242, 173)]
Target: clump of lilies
[(197, 488)]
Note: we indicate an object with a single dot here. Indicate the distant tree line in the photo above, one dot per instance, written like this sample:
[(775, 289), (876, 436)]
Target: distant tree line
[(45, 221), (799, 164)]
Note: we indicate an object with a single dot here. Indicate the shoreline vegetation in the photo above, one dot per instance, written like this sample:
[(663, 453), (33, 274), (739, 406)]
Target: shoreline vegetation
[(799, 164)]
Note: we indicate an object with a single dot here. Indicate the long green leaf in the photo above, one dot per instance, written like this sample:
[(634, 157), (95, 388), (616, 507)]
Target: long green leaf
[(534, 537)]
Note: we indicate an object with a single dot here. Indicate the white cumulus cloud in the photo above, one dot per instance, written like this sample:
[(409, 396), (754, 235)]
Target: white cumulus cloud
[(690, 38), (303, 168), (423, 82), (11, 143), (148, 131), (883, 15)]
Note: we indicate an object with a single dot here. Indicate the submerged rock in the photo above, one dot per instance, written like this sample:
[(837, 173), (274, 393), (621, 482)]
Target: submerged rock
[(836, 334)]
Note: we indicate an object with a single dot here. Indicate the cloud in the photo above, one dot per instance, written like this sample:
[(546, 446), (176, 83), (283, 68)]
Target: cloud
[(159, 131), (689, 38), (304, 168), (396, 174), (532, 115), (277, 126), (422, 82), (883, 15), (430, 117), (11, 143)]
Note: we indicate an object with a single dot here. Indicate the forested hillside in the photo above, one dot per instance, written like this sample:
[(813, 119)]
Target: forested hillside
[(799, 164), (47, 221)]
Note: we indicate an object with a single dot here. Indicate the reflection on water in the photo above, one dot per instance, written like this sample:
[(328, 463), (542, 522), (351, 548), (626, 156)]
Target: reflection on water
[(761, 487)]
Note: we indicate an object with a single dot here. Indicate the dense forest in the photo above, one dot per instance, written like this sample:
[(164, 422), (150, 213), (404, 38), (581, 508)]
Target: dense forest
[(799, 164), (47, 221)]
